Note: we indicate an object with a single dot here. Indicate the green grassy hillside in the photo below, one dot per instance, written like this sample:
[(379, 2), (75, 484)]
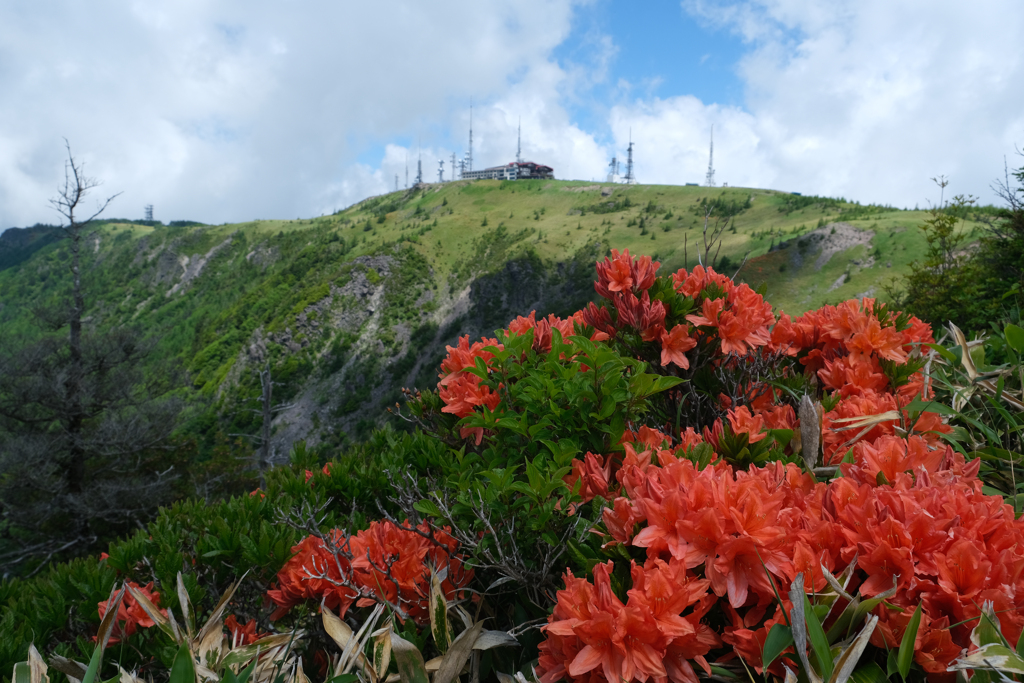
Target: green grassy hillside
[(346, 309)]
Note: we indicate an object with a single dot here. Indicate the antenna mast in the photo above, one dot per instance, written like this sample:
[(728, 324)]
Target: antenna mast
[(453, 165), (440, 171), (613, 170), (396, 182), (469, 154), (149, 212), (710, 180), (630, 179), (419, 171), (407, 169), (519, 143)]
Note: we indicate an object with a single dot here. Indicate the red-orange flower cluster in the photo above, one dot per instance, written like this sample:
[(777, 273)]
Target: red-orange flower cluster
[(242, 634), (130, 615), (593, 636), (931, 532), (385, 563)]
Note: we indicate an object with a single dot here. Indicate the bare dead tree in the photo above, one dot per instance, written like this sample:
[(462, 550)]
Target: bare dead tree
[(712, 240), (67, 203), (83, 445), (266, 411)]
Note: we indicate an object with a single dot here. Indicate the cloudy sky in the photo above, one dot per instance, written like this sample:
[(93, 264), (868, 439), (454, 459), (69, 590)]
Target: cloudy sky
[(232, 110)]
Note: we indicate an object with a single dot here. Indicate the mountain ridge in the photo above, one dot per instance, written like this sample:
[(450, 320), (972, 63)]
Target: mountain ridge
[(349, 308)]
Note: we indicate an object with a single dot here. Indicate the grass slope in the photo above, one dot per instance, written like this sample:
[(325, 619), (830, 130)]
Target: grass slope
[(347, 308)]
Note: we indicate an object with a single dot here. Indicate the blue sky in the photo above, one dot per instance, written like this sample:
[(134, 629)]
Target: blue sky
[(232, 110)]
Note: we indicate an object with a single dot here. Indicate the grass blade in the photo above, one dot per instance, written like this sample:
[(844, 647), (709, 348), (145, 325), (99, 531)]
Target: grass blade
[(183, 670), (905, 656), (798, 623), (847, 661), (439, 626), (819, 643), (779, 638)]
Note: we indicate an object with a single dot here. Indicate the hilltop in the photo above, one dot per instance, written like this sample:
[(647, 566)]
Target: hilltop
[(347, 309)]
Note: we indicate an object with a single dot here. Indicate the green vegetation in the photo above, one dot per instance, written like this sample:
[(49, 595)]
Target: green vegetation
[(349, 308)]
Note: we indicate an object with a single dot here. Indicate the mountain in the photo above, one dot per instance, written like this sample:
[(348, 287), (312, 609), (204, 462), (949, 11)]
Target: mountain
[(347, 309)]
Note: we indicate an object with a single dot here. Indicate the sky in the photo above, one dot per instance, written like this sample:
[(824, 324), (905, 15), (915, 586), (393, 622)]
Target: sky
[(236, 110)]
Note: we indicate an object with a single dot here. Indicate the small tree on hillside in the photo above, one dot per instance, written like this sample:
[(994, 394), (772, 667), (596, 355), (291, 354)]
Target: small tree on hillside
[(83, 447), (970, 285), (944, 286)]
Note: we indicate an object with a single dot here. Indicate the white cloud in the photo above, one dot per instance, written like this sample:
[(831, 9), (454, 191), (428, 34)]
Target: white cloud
[(863, 98), (226, 110), (233, 110)]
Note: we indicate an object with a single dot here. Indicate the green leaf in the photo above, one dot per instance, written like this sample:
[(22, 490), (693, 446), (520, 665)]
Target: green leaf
[(991, 657), (842, 624), (781, 436), (944, 352), (919, 406), (891, 665), (411, 667), (183, 670), (798, 623), (988, 629), (666, 382), (439, 626), (779, 638), (427, 507), (906, 654), (847, 660), (869, 673), (819, 643), (724, 673), (1015, 337)]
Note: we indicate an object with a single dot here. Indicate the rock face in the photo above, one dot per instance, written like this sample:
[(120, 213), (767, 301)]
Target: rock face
[(365, 354), (826, 242), (192, 267)]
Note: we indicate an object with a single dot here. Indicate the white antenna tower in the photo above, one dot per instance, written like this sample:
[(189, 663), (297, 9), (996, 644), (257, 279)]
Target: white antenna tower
[(453, 165), (710, 180), (407, 169), (440, 171), (469, 154), (519, 143), (613, 170), (630, 179), (419, 171), (396, 182)]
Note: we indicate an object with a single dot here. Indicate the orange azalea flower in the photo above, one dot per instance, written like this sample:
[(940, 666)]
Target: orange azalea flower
[(598, 318), (675, 344), (643, 271), (464, 356), (742, 422), (740, 568), (963, 569), (242, 634), (711, 309), (465, 393), (593, 472), (693, 284), (615, 274), (313, 572), (130, 614)]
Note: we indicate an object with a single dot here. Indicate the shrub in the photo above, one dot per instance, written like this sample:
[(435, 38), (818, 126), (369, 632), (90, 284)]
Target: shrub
[(672, 480)]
